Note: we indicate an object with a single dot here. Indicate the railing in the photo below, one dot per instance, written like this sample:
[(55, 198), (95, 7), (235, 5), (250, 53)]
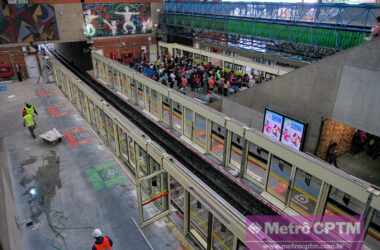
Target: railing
[(342, 16), (114, 72)]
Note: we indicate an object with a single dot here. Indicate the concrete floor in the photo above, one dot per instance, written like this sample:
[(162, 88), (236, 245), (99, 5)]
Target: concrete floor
[(69, 201), (361, 166)]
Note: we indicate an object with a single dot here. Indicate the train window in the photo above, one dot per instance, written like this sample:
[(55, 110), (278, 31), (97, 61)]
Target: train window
[(237, 147), (142, 161), (132, 154), (177, 116), (305, 192), (123, 147), (279, 177), (372, 240), (200, 133), (198, 221), (218, 133), (342, 204), (166, 110), (257, 163), (222, 238), (188, 130), (155, 104), (140, 95)]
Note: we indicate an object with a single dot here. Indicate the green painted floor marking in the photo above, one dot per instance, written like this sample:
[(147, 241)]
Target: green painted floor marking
[(105, 175)]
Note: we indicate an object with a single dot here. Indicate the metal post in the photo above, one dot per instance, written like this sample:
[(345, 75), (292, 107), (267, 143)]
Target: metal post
[(186, 222), (227, 148), (209, 230)]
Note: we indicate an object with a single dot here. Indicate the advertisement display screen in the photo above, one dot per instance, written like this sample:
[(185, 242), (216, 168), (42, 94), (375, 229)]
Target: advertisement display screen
[(273, 124), (292, 133)]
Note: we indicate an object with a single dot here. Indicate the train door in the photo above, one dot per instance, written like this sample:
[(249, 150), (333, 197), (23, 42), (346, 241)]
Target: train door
[(152, 185)]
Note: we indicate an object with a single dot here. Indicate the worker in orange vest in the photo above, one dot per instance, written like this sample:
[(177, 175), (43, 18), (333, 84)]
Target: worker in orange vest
[(102, 242)]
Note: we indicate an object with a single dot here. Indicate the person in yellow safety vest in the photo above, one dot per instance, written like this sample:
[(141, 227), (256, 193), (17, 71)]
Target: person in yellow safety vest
[(30, 124), (29, 109)]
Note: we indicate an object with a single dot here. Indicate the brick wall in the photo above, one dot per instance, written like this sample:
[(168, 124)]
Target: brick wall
[(120, 47), (333, 131), (13, 56)]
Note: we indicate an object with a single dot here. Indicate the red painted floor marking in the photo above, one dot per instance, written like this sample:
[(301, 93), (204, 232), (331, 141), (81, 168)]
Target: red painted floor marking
[(42, 92), (85, 141), (54, 112), (71, 140)]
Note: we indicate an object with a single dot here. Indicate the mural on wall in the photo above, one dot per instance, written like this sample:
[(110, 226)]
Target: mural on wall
[(107, 19), (27, 23)]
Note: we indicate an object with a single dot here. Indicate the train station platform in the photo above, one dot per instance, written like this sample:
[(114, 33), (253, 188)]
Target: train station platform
[(62, 192)]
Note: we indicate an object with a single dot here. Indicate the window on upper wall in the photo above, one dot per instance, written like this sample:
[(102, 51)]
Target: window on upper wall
[(257, 163), (305, 192), (279, 178), (218, 133)]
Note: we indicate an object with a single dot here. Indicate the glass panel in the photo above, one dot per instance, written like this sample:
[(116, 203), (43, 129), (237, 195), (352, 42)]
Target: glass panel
[(200, 131), (237, 144), (123, 147), (305, 192), (91, 112), (222, 238), (177, 195), (241, 246), (124, 85), (257, 163), (142, 160), (279, 176), (154, 194), (188, 123), (140, 95), (102, 125), (155, 102), (342, 204), (198, 221), (177, 116), (110, 133), (165, 110), (132, 155), (218, 133), (132, 90), (372, 240)]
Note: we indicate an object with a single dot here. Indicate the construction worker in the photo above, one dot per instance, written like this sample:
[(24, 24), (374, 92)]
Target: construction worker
[(30, 109), (30, 124), (102, 242)]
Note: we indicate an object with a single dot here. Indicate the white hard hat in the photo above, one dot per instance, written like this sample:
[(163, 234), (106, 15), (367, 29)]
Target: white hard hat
[(97, 233)]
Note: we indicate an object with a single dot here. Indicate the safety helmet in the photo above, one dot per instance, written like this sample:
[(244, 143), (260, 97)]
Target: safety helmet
[(97, 233)]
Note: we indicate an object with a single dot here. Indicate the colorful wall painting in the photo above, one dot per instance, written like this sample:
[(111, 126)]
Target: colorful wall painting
[(107, 19)]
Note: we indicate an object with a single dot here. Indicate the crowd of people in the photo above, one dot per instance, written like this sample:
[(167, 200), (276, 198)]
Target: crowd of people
[(182, 73)]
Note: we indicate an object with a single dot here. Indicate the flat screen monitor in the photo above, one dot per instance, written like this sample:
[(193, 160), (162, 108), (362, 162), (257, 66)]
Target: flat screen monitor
[(272, 124), (293, 133)]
